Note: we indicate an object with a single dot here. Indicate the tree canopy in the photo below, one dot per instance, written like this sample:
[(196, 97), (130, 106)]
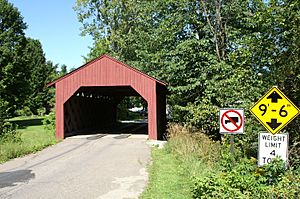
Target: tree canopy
[(13, 71), (24, 70), (212, 53)]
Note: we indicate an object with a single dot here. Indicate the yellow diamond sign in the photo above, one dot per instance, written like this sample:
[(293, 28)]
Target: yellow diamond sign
[(274, 110)]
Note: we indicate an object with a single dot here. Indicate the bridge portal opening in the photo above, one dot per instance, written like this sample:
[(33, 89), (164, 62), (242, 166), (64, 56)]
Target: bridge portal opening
[(105, 110)]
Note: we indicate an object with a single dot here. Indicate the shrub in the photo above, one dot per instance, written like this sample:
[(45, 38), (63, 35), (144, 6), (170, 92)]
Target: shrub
[(245, 180), (25, 111), (41, 111), (213, 172), (288, 187), (49, 122), (8, 133)]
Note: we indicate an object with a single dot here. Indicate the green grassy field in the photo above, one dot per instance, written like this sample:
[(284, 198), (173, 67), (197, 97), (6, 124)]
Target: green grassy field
[(34, 137), (167, 179)]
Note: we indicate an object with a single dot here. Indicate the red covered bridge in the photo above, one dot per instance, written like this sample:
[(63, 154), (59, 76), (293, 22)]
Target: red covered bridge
[(87, 97)]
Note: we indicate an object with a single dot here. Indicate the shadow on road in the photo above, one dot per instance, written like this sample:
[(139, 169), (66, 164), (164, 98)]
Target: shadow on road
[(8, 179)]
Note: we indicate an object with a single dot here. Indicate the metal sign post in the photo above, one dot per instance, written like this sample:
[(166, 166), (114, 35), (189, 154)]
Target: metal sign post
[(232, 144)]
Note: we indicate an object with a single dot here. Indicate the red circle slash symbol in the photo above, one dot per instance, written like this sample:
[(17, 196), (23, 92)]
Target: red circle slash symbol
[(232, 121)]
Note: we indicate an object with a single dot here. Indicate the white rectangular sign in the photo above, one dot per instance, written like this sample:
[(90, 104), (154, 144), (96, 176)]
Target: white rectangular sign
[(231, 120), (271, 146)]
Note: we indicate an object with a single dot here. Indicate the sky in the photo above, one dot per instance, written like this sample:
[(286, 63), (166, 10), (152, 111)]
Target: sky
[(54, 23)]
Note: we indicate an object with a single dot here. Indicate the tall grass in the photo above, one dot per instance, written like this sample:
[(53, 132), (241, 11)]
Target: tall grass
[(190, 144), (188, 153)]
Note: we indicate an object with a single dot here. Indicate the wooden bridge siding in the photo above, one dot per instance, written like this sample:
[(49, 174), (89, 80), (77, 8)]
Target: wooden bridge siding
[(105, 72)]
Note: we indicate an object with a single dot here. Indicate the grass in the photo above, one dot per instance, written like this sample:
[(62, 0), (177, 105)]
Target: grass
[(184, 156), (167, 179), (34, 137)]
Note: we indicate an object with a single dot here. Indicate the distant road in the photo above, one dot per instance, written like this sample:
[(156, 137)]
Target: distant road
[(94, 166)]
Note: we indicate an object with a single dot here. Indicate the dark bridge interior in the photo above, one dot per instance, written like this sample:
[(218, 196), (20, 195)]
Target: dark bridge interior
[(94, 110)]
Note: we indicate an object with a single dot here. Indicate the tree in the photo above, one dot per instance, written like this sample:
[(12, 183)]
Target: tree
[(41, 73), (182, 42), (72, 69), (212, 53), (2, 115), (112, 21), (24, 71), (13, 73), (63, 70), (273, 49)]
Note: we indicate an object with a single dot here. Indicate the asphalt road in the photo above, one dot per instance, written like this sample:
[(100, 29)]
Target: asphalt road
[(95, 166)]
